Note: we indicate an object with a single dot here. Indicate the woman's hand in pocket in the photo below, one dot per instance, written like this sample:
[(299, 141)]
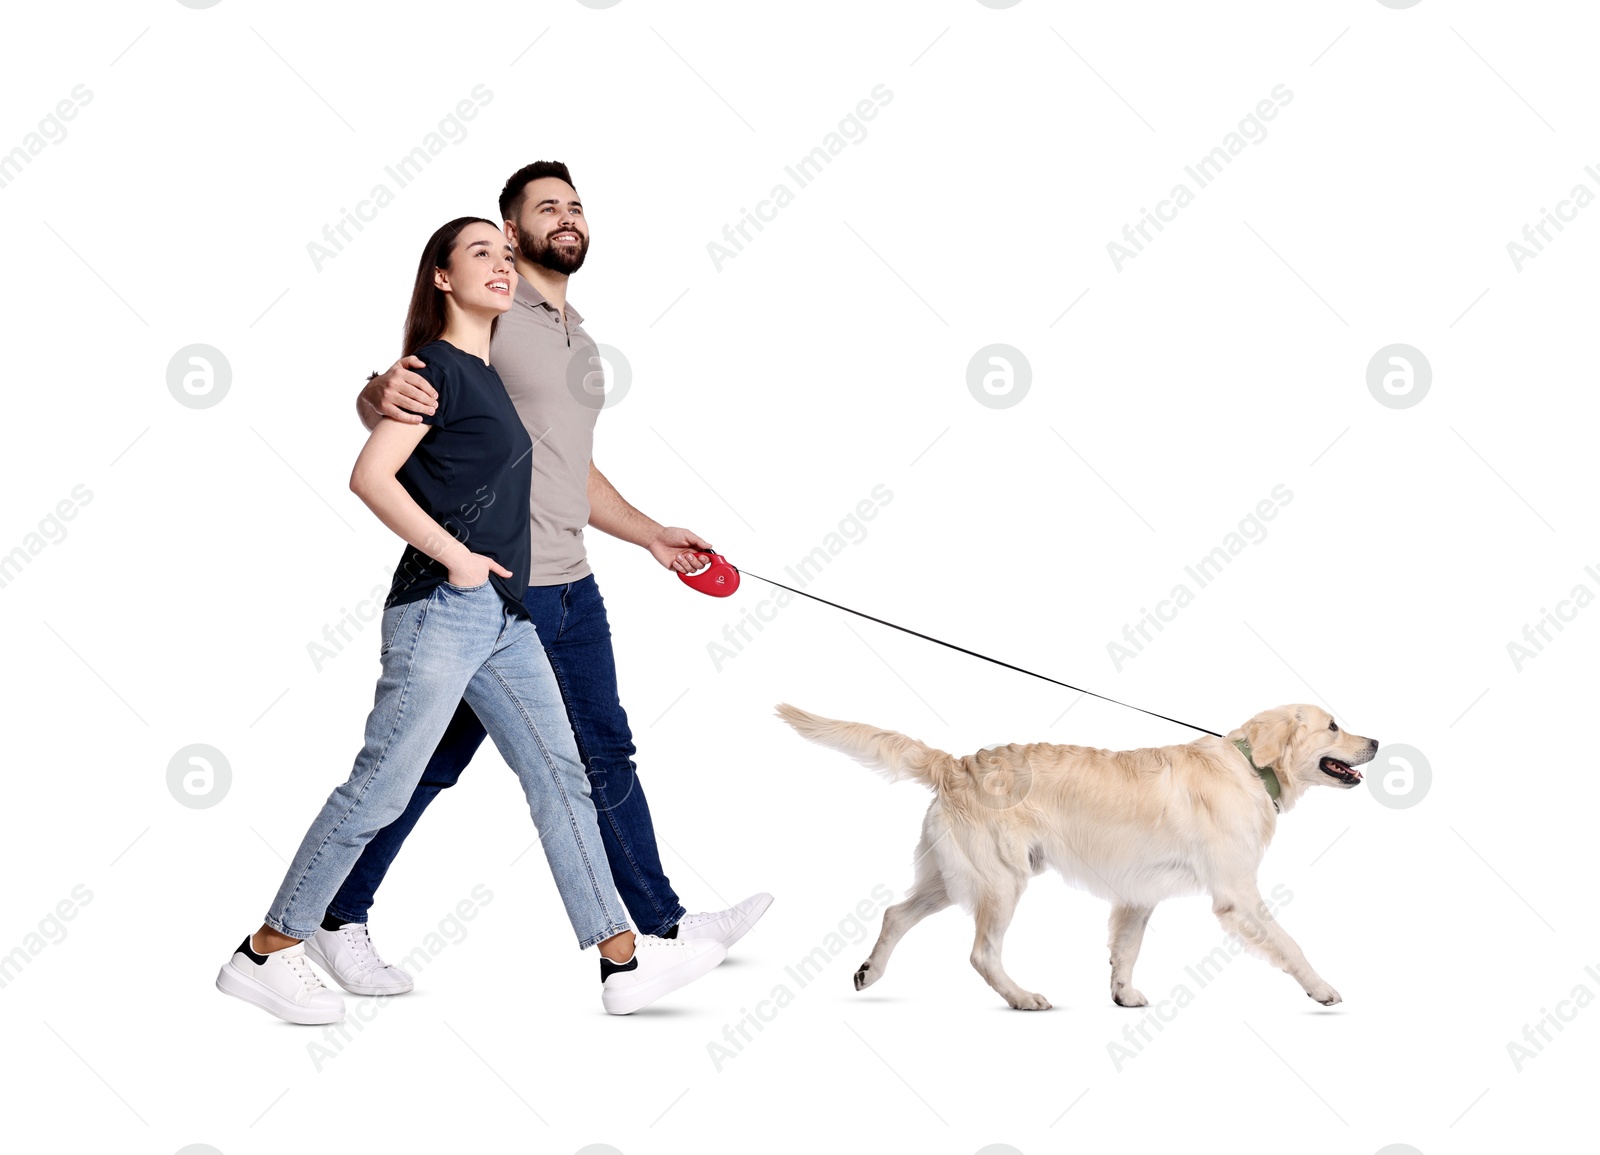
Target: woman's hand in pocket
[(474, 570)]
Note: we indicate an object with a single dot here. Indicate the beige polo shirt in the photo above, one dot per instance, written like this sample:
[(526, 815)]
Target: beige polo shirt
[(543, 362)]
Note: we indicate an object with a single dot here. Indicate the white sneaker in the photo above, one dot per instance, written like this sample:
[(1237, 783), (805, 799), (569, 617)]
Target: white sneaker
[(725, 926), (658, 966), (281, 983), (349, 956)]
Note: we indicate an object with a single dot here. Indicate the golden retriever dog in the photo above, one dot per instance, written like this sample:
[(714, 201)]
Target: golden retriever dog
[(1132, 826)]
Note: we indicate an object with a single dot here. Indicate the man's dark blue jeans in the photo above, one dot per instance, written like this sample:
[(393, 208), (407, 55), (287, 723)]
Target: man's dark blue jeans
[(571, 620)]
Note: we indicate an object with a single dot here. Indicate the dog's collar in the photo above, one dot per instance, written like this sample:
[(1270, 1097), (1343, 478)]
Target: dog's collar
[(1268, 778)]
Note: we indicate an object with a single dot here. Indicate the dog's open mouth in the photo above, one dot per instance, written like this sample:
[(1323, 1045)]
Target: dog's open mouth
[(1337, 769)]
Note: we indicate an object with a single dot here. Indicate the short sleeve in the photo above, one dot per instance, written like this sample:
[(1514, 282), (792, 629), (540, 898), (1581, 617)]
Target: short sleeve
[(440, 372)]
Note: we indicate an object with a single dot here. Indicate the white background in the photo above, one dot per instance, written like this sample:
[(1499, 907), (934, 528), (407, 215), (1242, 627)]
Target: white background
[(767, 399)]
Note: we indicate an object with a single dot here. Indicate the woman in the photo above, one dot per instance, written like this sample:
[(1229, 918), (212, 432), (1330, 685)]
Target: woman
[(456, 488)]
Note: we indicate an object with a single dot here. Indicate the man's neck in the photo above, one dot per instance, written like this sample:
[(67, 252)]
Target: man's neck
[(551, 284)]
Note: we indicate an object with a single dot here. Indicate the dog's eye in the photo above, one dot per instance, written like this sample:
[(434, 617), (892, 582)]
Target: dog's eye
[(1332, 725)]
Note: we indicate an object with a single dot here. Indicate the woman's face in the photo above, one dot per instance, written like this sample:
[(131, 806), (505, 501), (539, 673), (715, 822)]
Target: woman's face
[(482, 274)]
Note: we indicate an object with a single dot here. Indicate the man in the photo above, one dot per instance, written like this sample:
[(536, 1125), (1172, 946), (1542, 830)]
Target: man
[(549, 366)]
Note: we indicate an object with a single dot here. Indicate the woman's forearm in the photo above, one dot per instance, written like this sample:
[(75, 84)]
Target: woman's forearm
[(398, 510)]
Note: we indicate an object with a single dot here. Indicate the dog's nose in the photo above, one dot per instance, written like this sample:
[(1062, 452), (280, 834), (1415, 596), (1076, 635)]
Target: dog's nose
[(1372, 744)]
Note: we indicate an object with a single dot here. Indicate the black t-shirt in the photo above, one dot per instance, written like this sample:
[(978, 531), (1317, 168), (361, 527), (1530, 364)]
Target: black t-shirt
[(472, 472)]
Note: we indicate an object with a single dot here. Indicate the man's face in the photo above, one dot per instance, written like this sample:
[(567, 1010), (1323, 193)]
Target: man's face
[(551, 230)]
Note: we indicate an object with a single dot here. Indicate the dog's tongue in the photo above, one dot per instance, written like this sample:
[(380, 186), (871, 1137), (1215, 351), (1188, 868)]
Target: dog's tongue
[(1343, 769)]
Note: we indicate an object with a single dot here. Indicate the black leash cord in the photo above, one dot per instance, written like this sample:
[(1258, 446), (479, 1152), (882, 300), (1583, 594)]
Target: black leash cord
[(975, 654)]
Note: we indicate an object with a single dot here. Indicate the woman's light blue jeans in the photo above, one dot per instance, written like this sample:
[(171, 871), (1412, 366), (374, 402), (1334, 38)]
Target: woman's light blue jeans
[(459, 643)]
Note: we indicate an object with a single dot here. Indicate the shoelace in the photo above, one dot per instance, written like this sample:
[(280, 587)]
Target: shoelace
[(698, 919), (302, 970), (360, 943)]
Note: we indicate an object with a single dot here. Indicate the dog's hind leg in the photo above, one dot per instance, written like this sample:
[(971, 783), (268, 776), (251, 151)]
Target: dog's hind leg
[(1241, 911), (1127, 933), (927, 896), (996, 903)]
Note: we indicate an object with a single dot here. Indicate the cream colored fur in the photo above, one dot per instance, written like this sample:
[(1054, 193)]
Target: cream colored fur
[(1132, 826)]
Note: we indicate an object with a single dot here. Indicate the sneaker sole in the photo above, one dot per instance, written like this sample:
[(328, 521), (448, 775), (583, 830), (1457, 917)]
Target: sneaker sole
[(230, 982), (626, 1000), (317, 957)]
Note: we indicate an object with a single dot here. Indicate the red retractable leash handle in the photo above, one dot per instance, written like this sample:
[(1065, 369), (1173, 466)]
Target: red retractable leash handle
[(718, 580)]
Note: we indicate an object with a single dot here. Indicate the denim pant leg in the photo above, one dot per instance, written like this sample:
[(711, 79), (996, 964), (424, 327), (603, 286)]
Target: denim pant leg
[(460, 742), (431, 649), (572, 624), (516, 695)]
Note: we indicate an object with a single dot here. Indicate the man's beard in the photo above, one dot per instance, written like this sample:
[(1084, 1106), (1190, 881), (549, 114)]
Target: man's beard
[(564, 259)]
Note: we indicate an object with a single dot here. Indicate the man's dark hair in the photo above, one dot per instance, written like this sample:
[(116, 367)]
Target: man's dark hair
[(516, 190)]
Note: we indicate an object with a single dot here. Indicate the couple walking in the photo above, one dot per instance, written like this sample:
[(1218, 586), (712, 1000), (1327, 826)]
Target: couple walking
[(479, 457)]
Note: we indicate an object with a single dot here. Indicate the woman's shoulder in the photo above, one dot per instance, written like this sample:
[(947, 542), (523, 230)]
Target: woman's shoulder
[(440, 351), (445, 365), (455, 361)]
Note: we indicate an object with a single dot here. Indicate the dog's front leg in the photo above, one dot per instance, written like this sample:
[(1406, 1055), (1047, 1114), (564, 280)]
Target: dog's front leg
[(1127, 934), (1241, 911)]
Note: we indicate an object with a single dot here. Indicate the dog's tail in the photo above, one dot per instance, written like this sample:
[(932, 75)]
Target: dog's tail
[(891, 754)]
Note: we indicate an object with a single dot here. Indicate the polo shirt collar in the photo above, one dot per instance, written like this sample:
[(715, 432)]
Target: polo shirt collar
[(533, 298)]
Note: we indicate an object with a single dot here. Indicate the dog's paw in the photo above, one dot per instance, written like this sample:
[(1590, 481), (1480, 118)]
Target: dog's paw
[(1327, 996), (1128, 997), (1028, 1001), (866, 976)]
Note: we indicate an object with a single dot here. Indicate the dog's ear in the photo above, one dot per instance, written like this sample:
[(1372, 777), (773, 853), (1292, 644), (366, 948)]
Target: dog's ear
[(1269, 739)]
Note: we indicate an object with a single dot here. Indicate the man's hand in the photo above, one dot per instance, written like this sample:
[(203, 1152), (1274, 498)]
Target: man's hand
[(399, 394), (680, 550)]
